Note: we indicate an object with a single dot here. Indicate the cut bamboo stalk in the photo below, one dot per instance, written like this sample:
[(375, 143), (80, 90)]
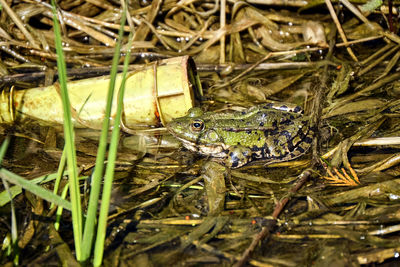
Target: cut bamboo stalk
[(153, 96)]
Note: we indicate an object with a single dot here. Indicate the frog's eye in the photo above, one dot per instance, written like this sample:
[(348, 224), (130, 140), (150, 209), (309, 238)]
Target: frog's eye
[(197, 125)]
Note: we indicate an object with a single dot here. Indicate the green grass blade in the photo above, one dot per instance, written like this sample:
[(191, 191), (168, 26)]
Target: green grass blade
[(5, 195), (98, 171), (60, 209), (69, 140), (34, 188), (60, 173), (16, 190), (3, 148), (109, 174), (14, 230)]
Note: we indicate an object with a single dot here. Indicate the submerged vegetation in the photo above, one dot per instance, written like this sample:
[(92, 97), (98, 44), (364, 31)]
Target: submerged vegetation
[(337, 205)]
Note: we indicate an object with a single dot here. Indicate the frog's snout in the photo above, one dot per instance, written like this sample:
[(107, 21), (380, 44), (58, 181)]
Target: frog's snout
[(174, 126), (170, 126)]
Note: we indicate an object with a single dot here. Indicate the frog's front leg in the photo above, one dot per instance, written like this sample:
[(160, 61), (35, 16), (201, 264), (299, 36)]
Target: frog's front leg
[(238, 156)]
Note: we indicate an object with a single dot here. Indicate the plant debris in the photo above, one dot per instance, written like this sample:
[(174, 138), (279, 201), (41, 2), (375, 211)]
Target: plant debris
[(339, 61)]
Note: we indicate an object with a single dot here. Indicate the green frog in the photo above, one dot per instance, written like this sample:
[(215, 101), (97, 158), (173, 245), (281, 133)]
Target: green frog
[(267, 132)]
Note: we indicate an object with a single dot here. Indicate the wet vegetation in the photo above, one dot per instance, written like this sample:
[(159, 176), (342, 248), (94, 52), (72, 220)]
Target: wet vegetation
[(338, 205)]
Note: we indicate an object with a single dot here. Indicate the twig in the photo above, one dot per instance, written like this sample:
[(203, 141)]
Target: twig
[(377, 53), (256, 64), (390, 17), (266, 66), (223, 23), (209, 12), (356, 12), (340, 29), (266, 230), (362, 40), (379, 141), (19, 24)]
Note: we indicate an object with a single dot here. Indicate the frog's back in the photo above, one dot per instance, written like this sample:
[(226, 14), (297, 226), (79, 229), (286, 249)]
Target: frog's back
[(268, 134)]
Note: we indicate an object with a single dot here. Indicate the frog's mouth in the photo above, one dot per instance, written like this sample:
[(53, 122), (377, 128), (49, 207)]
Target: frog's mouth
[(217, 150)]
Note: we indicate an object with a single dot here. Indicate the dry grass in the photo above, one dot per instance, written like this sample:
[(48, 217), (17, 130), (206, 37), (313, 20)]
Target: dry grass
[(245, 54)]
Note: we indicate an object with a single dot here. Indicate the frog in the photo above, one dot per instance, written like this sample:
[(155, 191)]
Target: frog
[(267, 133)]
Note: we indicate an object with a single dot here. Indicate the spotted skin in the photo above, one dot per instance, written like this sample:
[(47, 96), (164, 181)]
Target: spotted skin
[(269, 132)]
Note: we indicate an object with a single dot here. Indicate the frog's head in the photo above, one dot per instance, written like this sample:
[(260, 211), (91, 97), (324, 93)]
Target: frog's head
[(194, 131)]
